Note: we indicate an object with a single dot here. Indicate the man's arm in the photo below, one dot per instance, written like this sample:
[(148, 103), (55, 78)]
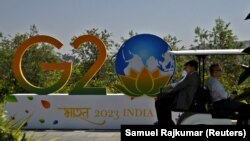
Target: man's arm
[(218, 91), (182, 84)]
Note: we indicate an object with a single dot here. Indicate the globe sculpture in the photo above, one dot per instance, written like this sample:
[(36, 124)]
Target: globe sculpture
[(144, 65)]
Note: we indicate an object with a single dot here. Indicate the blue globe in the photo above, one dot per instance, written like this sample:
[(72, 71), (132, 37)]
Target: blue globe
[(145, 51)]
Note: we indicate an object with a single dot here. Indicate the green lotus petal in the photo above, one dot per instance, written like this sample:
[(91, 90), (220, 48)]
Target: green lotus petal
[(122, 89), (158, 83), (130, 84), (11, 98), (144, 82)]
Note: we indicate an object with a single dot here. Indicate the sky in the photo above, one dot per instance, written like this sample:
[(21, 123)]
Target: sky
[(63, 19)]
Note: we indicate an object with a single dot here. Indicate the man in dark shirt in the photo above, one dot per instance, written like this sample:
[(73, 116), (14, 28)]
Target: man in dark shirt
[(180, 97)]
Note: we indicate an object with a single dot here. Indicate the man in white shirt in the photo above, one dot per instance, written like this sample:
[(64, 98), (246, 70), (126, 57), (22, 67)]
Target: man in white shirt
[(215, 87), (222, 100)]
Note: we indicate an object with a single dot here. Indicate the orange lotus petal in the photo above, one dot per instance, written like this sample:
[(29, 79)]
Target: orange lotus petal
[(158, 83), (45, 104), (133, 73), (130, 84), (156, 73), (144, 82)]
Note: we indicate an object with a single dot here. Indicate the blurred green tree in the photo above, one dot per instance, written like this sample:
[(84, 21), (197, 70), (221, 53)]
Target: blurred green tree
[(220, 37)]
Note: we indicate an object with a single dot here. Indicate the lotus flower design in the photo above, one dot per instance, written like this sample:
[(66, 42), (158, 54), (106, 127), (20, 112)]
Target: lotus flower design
[(144, 64), (138, 84)]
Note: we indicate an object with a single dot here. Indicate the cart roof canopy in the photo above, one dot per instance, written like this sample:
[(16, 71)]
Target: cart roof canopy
[(212, 52)]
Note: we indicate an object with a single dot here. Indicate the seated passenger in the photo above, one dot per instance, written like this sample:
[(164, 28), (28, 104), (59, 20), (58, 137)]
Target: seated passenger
[(180, 96), (222, 100)]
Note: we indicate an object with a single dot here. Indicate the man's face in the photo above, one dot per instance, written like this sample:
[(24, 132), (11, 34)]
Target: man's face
[(217, 72), (188, 69)]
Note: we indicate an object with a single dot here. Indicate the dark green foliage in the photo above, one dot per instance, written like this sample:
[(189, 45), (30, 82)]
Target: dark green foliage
[(221, 37)]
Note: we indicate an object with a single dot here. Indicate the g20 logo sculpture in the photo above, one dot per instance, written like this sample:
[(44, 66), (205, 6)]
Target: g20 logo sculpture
[(143, 64), (66, 67)]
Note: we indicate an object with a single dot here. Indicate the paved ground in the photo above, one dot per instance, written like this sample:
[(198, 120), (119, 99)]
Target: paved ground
[(74, 135)]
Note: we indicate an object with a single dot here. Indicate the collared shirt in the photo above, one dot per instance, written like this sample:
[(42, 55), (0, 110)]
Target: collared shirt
[(216, 89), (184, 74)]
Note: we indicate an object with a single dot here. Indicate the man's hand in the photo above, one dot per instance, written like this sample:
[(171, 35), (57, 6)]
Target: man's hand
[(165, 89)]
